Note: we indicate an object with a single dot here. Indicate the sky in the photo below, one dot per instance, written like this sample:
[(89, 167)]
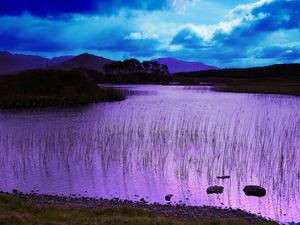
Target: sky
[(235, 33)]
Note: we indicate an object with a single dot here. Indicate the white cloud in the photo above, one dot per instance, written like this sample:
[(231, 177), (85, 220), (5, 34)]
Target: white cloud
[(134, 36), (181, 5), (140, 36), (246, 9)]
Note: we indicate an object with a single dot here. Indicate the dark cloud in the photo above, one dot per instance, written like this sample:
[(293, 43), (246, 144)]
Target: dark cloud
[(188, 38), (280, 14), (44, 8), (290, 54), (29, 33)]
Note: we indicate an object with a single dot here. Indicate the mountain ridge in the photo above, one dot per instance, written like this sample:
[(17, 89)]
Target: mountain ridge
[(179, 66), (14, 63), (84, 60)]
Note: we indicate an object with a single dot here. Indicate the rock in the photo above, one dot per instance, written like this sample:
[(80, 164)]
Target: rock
[(15, 191), (215, 190), (223, 177), (168, 197), (253, 190), (143, 200)]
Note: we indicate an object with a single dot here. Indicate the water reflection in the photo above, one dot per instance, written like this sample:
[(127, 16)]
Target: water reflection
[(176, 141)]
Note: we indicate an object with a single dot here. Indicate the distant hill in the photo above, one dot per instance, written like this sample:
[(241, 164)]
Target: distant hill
[(85, 60), (58, 60), (178, 66), (13, 63), (285, 71)]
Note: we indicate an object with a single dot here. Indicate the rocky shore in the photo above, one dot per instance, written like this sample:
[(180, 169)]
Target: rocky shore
[(168, 210)]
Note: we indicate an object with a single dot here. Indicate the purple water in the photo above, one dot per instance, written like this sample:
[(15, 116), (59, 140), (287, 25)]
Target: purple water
[(161, 140)]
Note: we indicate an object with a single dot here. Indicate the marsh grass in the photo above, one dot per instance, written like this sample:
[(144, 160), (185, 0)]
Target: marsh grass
[(38, 88), (14, 211)]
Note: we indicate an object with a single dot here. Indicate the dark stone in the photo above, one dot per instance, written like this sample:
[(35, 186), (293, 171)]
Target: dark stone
[(168, 197), (223, 177), (143, 200), (215, 190), (253, 190), (15, 191)]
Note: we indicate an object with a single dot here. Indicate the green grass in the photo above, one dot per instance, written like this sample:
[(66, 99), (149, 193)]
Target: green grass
[(38, 88), (16, 211)]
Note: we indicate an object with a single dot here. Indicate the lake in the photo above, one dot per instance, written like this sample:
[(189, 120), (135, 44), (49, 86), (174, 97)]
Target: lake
[(161, 140)]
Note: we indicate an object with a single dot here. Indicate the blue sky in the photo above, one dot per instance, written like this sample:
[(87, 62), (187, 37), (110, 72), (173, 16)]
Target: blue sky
[(236, 33)]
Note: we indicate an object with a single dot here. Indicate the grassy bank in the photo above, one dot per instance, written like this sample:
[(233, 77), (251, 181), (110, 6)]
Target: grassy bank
[(38, 88), (276, 79), (262, 87), (14, 210)]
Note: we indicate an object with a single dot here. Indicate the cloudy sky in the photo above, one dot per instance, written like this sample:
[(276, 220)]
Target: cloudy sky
[(235, 33)]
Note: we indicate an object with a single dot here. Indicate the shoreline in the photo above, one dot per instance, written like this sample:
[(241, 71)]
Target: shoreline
[(259, 89), (241, 88), (177, 211)]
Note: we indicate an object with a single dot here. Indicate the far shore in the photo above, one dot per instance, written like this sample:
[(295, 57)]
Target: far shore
[(279, 88), (47, 209)]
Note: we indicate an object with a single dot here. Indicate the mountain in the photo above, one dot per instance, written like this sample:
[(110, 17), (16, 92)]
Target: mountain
[(177, 66), (84, 61), (13, 63), (58, 60)]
